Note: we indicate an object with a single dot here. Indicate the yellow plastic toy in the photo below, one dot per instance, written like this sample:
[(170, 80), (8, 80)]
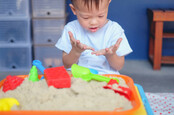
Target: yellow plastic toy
[(7, 103)]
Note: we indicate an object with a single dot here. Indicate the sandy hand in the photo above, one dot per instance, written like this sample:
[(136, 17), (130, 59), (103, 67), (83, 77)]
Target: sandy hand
[(109, 51), (77, 46)]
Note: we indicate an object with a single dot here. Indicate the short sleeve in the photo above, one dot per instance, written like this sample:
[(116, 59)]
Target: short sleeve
[(118, 32), (64, 43), (124, 48)]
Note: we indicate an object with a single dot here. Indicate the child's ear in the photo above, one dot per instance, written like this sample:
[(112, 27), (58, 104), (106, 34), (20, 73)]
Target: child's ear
[(73, 9), (109, 1)]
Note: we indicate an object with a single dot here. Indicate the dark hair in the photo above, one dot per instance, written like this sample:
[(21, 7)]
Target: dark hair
[(88, 3)]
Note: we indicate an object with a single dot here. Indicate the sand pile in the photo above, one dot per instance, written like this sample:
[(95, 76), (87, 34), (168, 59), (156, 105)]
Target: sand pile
[(82, 96)]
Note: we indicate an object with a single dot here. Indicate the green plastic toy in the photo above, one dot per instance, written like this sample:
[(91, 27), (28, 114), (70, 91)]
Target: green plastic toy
[(33, 75), (85, 74)]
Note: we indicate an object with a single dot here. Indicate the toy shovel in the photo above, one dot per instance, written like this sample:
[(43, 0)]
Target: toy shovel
[(85, 74), (126, 92), (39, 65)]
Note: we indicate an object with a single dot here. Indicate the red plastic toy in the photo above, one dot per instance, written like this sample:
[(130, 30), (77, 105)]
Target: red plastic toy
[(11, 83), (57, 77), (126, 92)]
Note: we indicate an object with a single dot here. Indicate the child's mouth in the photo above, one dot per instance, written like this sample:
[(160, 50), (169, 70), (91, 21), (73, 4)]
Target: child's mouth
[(94, 29)]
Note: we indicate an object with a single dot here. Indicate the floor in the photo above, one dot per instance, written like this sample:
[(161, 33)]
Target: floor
[(158, 81), (142, 73)]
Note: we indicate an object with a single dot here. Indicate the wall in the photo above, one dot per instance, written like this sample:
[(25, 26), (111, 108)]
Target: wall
[(132, 16)]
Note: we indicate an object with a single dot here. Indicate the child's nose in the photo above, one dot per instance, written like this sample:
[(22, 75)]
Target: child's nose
[(93, 21)]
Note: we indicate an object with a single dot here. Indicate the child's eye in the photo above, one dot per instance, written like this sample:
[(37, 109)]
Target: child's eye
[(101, 16), (85, 17)]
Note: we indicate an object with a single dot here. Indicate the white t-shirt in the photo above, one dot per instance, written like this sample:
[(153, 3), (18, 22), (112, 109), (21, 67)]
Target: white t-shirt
[(103, 38)]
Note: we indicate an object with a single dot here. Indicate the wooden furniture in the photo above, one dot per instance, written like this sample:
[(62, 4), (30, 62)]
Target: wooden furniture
[(156, 19)]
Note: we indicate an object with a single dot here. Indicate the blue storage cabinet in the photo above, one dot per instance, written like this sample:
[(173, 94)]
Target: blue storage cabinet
[(15, 36), (50, 56), (14, 30), (15, 57), (47, 31), (48, 21), (48, 8), (14, 8)]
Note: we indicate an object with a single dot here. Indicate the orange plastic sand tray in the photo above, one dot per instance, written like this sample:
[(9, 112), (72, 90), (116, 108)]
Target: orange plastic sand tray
[(134, 100)]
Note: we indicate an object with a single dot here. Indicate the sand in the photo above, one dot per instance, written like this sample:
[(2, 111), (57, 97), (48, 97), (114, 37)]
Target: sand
[(82, 96)]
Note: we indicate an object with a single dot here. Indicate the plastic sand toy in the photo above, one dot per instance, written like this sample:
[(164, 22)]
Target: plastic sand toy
[(7, 103), (93, 71), (56, 76), (33, 75), (126, 92), (38, 64), (85, 74), (11, 83)]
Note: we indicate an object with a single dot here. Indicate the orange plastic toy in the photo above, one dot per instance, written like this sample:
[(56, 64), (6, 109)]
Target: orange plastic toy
[(135, 100)]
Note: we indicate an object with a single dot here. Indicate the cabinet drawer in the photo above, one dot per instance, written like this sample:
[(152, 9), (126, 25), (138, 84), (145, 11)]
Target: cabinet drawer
[(14, 8), (48, 8), (50, 56), (14, 31), (15, 57), (47, 31)]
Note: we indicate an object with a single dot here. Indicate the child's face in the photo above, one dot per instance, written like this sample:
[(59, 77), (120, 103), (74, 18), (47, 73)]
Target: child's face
[(91, 19)]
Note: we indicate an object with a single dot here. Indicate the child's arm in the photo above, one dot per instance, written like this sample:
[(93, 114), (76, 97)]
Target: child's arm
[(77, 49), (115, 61)]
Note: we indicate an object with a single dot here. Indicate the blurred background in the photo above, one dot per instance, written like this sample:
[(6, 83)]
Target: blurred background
[(29, 30), (132, 16)]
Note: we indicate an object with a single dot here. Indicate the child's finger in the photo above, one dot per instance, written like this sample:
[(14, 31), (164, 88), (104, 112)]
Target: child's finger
[(94, 52), (78, 44), (106, 50), (117, 44), (98, 53), (89, 48), (72, 39)]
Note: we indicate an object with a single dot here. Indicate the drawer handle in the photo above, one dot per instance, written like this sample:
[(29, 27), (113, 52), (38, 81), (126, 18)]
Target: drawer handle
[(50, 66), (13, 67), (10, 13), (49, 40), (11, 40), (48, 13)]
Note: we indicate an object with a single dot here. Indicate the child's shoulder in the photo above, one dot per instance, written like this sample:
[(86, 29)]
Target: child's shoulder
[(73, 26), (73, 23), (114, 25)]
